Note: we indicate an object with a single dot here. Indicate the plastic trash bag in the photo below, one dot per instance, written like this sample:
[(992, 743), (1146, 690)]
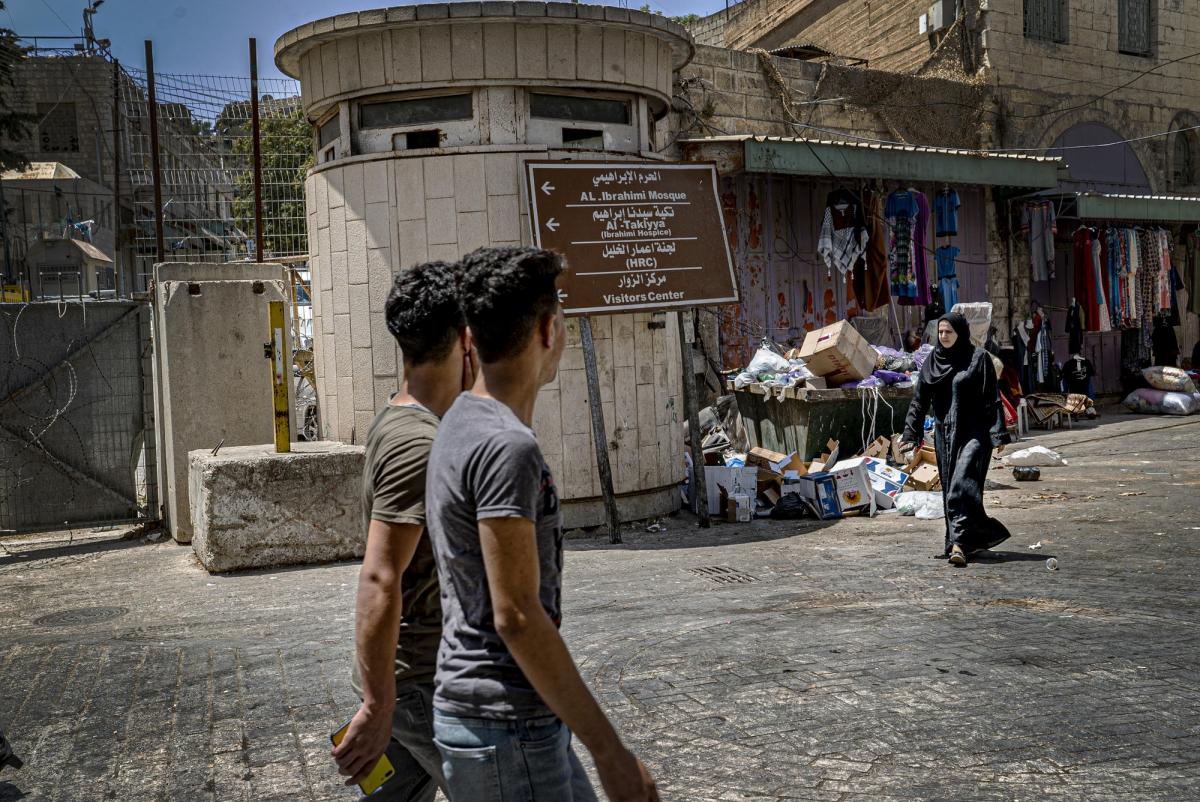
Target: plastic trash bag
[(1172, 380), (767, 361), (923, 504), (1034, 457), (790, 507), (744, 379), (1161, 402)]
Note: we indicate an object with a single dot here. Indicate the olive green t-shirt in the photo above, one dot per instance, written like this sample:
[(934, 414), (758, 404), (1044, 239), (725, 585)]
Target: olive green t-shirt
[(397, 455)]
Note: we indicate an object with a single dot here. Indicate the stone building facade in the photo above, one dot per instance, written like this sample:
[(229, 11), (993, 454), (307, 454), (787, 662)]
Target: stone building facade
[(1061, 77)]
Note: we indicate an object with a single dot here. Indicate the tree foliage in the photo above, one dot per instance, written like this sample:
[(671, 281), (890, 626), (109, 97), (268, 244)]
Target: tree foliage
[(14, 125), (286, 157)]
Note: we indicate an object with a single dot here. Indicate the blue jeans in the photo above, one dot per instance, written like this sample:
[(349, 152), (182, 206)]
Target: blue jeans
[(412, 751), (521, 760)]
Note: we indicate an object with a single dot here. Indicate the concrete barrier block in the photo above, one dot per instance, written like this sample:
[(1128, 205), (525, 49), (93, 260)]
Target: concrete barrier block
[(254, 508)]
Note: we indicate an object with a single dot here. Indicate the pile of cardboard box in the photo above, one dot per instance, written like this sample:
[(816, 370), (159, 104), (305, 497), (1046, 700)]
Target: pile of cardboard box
[(827, 488)]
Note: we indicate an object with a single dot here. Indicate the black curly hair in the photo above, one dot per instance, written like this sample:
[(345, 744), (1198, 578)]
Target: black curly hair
[(423, 311), (505, 292)]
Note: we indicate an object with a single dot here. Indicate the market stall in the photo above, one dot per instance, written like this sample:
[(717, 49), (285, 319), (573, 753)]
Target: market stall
[(1113, 289)]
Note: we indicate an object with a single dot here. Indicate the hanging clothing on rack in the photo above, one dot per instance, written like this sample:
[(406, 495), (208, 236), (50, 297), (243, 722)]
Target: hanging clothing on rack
[(901, 213), (843, 237), (871, 285), (1084, 277), (947, 275), (1045, 355), (921, 249), (945, 213), (1075, 327), (1192, 246), (1100, 272), (1148, 269), (1038, 221), (1162, 242)]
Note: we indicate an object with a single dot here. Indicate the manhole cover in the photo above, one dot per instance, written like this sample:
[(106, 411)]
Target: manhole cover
[(722, 574), (80, 615)]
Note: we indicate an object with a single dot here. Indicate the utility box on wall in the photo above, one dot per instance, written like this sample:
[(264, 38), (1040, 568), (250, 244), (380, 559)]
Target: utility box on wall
[(941, 15)]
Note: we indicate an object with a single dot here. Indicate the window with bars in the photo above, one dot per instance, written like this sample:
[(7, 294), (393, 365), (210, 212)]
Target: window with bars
[(1135, 27), (1046, 20)]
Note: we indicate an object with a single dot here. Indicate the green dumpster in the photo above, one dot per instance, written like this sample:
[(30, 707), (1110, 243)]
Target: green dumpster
[(797, 419)]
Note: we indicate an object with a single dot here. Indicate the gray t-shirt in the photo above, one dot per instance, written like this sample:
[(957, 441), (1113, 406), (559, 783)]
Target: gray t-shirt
[(486, 464)]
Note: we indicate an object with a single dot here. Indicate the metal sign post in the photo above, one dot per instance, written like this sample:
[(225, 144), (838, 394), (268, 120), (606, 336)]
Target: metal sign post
[(636, 236), (599, 435), (692, 410), (276, 351)]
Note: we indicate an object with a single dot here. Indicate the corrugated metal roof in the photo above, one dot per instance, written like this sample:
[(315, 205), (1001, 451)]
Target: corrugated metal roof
[(1186, 198), (1150, 208), (867, 145)]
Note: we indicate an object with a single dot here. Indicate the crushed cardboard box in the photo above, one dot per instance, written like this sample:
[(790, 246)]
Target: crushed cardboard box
[(819, 493), (922, 469), (838, 353), (725, 482), (854, 490)]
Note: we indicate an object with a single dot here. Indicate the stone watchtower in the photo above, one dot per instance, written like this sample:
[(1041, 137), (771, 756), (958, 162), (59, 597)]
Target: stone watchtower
[(424, 116)]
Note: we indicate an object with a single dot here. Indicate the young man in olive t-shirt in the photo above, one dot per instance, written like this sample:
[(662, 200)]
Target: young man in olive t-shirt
[(398, 617)]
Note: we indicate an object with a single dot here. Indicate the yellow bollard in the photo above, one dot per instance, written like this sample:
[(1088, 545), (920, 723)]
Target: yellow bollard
[(276, 351)]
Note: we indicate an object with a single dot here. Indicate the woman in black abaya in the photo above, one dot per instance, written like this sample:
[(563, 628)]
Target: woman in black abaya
[(958, 382)]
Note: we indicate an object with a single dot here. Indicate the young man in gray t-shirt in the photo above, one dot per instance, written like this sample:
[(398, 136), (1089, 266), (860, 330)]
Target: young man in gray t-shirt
[(508, 695)]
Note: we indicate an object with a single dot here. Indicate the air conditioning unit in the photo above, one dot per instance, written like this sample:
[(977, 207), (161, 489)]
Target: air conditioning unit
[(941, 16)]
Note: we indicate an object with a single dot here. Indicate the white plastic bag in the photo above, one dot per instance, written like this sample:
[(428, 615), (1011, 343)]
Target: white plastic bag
[(767, 361), (744, 379), (1034, 457), (925, 505)]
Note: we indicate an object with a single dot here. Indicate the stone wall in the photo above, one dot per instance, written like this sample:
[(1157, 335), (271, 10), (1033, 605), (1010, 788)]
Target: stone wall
[(1048, 87), (81, 88), (724, 91)]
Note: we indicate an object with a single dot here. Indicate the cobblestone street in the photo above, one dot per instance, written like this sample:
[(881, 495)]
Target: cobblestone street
[(835, 662)]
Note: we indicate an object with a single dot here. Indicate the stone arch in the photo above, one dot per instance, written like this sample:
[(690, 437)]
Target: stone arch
[(1119, 168), (1183, 153), (1115, 116)]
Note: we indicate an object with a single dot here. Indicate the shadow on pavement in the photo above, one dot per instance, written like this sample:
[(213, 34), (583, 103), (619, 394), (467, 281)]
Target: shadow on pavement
[(11, 556), (683, 532), (1012, 557), (10, 792)]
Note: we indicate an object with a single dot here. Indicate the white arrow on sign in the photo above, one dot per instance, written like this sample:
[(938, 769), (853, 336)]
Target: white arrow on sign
[(552, 224), (547, 187)]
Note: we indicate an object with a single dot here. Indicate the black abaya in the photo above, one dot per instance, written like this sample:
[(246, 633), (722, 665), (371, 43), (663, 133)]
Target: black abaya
[(969, 425)]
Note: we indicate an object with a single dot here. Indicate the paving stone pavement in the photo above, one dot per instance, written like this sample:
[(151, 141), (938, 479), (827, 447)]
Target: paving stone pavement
[(847, 665)]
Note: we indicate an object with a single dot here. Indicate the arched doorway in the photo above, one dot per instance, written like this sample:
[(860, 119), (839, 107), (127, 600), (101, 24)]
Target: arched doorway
[(1099, 169)]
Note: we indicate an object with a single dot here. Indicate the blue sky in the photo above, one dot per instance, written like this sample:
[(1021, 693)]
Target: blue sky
[(210, 37)]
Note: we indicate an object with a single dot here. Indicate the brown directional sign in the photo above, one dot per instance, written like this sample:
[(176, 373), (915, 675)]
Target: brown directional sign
[(635, 236)]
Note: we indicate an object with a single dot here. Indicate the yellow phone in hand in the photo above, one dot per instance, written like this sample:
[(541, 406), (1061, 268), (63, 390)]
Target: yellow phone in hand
[(382, 772)]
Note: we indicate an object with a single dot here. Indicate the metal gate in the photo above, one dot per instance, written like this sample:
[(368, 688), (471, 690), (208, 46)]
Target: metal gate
[(76, 415)]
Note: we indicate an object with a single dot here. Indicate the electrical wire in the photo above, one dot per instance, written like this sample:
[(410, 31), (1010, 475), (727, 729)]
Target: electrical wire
[(1114, 90), (66, 24)]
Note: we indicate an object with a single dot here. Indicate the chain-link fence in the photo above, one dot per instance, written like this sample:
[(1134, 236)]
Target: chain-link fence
[(206, 164)]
